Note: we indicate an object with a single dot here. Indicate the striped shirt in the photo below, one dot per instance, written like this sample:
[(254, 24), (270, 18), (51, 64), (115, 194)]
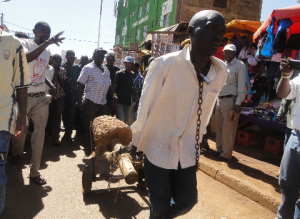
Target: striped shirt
[(14, 75), (96, 83), (137, 85), (59, 89)]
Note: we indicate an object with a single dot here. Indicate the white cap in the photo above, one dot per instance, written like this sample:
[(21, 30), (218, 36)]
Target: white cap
[(230, 47)]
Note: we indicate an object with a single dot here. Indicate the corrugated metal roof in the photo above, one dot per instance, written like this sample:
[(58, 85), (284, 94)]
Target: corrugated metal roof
[(176, 27)]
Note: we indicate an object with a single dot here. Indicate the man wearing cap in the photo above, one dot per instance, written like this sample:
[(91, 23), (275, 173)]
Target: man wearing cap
[(93, 82), (123, 89), (230, 99), (110, 58)]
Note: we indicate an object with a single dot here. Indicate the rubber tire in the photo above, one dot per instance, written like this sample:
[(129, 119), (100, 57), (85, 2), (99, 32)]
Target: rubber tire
[(87, 179)]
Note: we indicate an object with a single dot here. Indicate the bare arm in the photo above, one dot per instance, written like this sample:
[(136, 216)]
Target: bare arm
[(35, 53), (114, 87), (284, 87), (22, 104), (30, 56), (80, 88)]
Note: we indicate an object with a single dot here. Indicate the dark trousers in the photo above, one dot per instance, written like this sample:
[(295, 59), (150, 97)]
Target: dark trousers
[(54, 120), (164, 184), (91, 111), (68, 116), (79, 126)]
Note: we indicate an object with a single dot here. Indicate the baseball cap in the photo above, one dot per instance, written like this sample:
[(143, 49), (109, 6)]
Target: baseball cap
[(100, 49), (128, 59), (230, 47)]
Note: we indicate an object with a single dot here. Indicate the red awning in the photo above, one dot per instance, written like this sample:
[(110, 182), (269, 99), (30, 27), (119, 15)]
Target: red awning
[(292, 12)]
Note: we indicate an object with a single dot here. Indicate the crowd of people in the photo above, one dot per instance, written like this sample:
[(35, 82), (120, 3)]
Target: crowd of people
[(168, 113)]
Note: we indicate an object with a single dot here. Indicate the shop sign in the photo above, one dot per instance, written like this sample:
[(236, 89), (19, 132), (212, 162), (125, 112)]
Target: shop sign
[(167, 7), (117, 40), (140, 21), (124, 31)]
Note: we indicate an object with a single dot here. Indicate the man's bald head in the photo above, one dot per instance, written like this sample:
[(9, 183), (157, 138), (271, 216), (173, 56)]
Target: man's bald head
[(204, 15), (206, 30)]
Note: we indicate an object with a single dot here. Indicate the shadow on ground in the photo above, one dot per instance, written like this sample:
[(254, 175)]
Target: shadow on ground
[(234, 163), (125, 206)]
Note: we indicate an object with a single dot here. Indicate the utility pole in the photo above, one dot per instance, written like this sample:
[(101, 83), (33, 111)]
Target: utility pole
[(99, 23), (2, 19)]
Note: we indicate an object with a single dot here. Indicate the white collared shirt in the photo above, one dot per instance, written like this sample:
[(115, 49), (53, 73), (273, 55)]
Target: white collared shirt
[(236, 81), (295, 93), (165, 128)]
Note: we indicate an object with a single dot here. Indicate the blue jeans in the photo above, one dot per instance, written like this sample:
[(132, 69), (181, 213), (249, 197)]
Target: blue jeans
[(4, 146), (288, 133), (123, 113), (167, 184), (289, 179)]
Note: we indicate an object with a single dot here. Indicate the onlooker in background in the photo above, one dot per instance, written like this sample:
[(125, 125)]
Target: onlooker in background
[(94, 80), (289, 178), (37, 104), (123, 89), (58, 99), (21, 35), (147, 69), (78, 122), (230, 98), (70, 89), (110, 59), (135, 99), (13, 88)]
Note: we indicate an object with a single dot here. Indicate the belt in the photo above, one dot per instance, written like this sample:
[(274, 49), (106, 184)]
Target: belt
[(40, 94), (230, 95)]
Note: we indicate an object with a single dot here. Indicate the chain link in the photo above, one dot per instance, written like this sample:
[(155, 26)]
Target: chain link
[(113, 167), (199, 111)]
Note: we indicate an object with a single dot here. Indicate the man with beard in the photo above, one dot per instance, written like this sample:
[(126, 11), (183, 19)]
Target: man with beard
[(37, 104), (177, 100), (110, 59)]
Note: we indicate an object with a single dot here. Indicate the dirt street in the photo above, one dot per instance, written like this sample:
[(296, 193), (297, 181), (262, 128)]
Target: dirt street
[(61, 197)]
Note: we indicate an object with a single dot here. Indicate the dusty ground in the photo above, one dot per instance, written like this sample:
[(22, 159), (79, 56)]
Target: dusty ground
[(251, 165), (62, 198)]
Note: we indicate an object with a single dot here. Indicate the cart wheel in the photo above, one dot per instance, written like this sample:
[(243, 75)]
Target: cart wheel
[(87, 176)]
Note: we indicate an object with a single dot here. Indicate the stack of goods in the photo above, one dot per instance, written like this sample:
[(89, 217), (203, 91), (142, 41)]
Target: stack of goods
[(163, 44), (265, 111)]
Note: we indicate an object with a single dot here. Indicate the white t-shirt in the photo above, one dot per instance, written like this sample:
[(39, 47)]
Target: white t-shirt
[(37, 67), (49, 73)]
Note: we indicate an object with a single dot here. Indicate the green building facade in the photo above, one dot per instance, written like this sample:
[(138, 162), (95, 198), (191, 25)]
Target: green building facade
[(136, 17)]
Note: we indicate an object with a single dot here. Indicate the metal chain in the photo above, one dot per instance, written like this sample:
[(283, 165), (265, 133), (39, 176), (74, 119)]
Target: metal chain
[(199, 111), (113, 167)]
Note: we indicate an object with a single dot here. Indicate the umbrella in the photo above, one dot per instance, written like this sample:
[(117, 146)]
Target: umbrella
[(243, 27), (292, 12)]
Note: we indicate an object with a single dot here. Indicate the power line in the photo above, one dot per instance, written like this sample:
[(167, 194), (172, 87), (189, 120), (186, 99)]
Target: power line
[(87, 41), (55, 28)]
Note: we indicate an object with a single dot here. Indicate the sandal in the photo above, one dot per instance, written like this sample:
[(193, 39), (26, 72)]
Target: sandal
[(38, 180), (15, 160)]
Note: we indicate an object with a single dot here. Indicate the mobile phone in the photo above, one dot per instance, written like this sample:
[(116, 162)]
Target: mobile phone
[(294, 64)]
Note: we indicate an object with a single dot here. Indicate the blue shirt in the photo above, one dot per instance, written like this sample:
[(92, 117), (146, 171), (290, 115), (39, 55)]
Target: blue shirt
[(137, 85)]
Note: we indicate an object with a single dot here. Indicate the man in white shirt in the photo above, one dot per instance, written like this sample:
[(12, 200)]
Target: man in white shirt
[(289, 178), (170, 125), (230, 98), (37, 104)]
